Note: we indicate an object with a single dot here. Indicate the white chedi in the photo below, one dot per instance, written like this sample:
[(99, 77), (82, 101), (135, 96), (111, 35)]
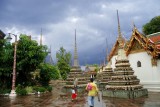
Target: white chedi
[(121, 55), (108, 65)]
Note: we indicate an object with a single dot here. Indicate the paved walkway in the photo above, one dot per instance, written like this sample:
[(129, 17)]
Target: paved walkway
[(54, 100), (49, 100)]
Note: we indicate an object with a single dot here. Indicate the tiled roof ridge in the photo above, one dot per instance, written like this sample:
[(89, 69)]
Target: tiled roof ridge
[(153, 34)]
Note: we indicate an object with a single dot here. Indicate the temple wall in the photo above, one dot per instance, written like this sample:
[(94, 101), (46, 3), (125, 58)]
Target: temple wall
[(149, 75)]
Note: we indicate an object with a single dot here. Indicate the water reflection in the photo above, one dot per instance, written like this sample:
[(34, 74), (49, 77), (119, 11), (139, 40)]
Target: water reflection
[(50, 100), (152, 100)]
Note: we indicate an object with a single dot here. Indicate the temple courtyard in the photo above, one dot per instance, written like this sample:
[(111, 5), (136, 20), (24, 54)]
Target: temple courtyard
[(57, 99)]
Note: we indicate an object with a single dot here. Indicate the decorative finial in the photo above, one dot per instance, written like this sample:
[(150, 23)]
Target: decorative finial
[(134, 26)]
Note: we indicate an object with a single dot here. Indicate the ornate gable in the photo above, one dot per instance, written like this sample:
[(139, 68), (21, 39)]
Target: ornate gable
[(113, 51), (137, 42), (136, 47), (149, 44)]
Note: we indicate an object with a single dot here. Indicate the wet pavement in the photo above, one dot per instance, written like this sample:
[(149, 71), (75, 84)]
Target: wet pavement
[(55, 99), (49, 100)]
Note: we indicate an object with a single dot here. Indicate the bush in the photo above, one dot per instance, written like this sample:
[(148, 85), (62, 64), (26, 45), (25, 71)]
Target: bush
[(4, 91), (20, 90), (35, 88), (49, 88), (47, 72), (29, 89), (40, 89)]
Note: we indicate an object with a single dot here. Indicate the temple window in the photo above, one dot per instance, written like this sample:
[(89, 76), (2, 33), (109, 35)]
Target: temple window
[(138, 64)]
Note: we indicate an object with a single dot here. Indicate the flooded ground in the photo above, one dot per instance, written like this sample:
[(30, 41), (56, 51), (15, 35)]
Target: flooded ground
[(53, 99), (49, 100)]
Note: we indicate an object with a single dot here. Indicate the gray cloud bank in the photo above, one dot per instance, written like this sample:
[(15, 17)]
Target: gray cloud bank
[(95, 20)]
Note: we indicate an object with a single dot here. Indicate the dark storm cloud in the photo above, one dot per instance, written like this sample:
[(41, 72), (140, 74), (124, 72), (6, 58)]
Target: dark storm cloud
[(95, 21), (31, 13)]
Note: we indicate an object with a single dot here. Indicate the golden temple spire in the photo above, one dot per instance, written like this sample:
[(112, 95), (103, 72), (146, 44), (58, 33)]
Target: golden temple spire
[(41, 37), (75, 63), (120, 38), (119, 29)]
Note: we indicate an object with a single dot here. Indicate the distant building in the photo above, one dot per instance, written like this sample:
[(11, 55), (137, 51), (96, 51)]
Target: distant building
[(90, 68)]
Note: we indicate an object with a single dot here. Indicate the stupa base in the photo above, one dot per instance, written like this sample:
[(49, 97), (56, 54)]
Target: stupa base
[(130, 94), (102, 85), (68, 88)]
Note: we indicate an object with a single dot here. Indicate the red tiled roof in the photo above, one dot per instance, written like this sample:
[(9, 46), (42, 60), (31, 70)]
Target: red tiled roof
[(155, 39)]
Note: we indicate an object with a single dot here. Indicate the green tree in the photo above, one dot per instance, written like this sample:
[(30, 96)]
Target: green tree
[(63, 62), (6, 64), (29, 57), (153, 26), (47, 72)]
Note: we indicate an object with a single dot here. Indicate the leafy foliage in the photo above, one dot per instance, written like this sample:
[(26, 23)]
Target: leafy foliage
[(20, 90), (6, 63), (29, 57), (47, 72), (49, 88), (63, 62), (153, 26)]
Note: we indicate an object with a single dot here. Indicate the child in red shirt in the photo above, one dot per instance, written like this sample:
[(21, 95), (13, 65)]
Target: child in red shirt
[(74, 94)]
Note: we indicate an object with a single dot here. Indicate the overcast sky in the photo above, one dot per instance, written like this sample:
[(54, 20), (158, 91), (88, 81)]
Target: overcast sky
[(94, 20)]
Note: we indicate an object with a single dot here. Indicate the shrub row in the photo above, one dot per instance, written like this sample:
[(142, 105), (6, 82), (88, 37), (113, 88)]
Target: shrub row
[(24, 91)]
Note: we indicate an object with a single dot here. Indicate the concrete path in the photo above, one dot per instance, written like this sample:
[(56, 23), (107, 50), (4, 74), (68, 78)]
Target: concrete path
[(49, 100), (53, 99)]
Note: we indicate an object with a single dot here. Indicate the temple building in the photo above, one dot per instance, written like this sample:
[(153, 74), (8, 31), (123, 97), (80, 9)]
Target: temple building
[(143, 53), (123, 82)]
